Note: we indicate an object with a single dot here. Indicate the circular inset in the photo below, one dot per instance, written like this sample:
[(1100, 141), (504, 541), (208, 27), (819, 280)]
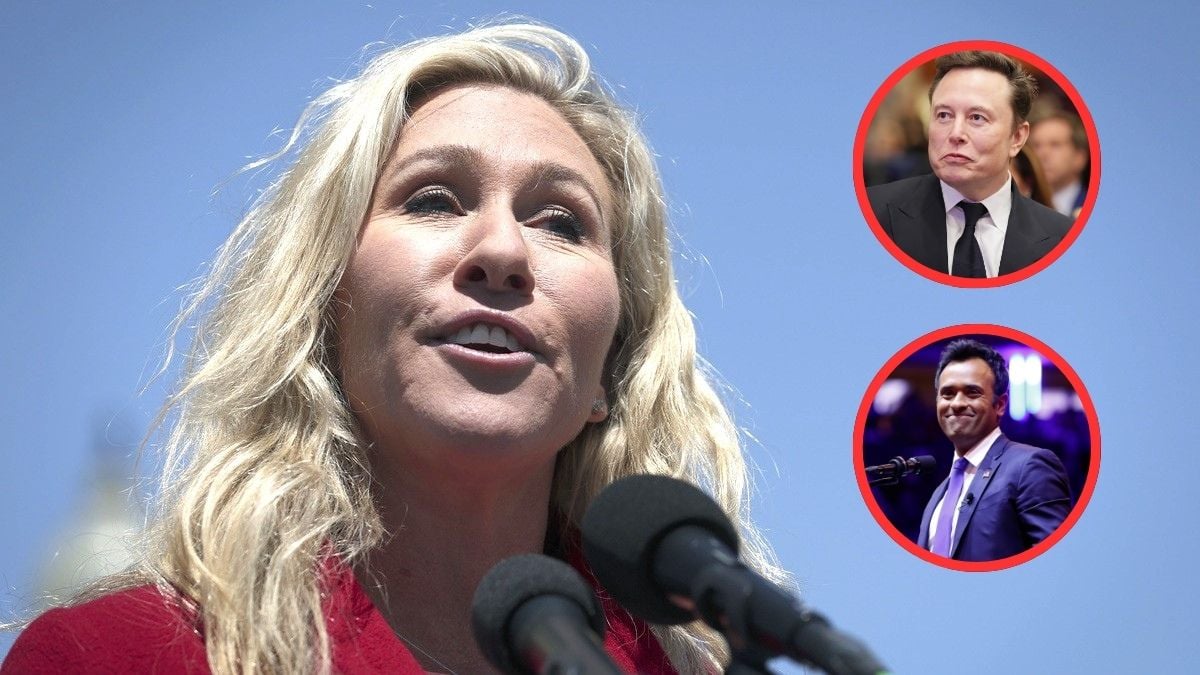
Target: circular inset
[(916, 155), (1009, 406)]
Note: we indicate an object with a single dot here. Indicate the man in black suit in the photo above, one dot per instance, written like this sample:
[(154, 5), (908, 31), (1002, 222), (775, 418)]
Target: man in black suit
[(968, 219)]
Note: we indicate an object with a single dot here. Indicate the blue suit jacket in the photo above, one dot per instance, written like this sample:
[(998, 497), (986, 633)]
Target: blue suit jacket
[(1019, 496)]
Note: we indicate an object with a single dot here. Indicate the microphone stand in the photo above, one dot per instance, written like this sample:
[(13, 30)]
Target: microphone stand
[(887, 473), (734, 621), (748, 662), (777, 624)]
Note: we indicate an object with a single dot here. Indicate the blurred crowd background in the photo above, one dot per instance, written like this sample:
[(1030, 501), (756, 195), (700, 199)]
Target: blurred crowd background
[(1053, 168), (1044, 410)]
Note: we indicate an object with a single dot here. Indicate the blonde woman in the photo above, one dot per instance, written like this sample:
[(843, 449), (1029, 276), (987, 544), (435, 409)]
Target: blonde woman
[(444, 329)]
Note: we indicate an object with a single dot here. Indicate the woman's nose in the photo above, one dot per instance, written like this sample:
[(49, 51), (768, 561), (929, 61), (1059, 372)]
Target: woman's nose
[(497, 257)]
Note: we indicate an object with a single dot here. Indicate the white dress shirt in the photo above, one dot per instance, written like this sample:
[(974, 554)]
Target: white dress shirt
[(1064, 199), (974, 458), (990, 229)]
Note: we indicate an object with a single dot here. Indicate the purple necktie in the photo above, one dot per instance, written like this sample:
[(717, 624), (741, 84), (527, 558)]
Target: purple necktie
[(941, 540)]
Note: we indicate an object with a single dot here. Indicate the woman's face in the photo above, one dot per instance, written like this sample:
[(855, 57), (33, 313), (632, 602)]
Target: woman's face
[(481, 301)]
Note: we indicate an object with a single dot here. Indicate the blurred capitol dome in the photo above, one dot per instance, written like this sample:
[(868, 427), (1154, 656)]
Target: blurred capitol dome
[(98, 537)]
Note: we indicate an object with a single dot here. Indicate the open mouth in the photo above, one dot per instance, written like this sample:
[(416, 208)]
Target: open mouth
[(486, 338)]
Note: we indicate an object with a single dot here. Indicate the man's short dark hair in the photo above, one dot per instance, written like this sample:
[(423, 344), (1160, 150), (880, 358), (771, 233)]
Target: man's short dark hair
[(1078, 134), (965, 350), (1024, 86)]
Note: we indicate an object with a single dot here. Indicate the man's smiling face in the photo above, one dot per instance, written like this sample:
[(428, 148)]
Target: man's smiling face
[(967, 406)]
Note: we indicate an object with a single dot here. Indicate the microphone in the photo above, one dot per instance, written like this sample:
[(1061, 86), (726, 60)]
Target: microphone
[(891, 472), (533, 614), (667, 553)]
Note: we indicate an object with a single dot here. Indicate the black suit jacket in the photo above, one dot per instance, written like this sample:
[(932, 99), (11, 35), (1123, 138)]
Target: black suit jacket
[(912, 213)]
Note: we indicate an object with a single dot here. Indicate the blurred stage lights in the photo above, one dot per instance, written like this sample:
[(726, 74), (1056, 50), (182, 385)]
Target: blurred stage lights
[(1024, 385), (1026, 395), (890, 395)]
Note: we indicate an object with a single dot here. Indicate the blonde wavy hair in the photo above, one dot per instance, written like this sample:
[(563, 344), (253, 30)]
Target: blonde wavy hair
[(266, 473)]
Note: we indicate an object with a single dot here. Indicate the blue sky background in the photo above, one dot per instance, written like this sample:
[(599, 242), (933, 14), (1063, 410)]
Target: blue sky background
[(121, 119)]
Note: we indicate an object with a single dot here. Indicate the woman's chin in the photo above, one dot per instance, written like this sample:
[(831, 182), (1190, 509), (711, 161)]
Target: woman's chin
[(471, 438)]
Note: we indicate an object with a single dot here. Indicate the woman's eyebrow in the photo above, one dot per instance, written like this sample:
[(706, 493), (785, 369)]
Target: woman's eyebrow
[(450, 155)]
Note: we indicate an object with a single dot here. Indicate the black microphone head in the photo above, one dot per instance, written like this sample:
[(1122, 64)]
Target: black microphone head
[(623, 527), (510, 584), (923, 464)]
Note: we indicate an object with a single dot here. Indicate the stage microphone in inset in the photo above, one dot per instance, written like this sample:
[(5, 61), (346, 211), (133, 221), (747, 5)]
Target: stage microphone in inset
[(891, 472), (668, 554), (533, 614)]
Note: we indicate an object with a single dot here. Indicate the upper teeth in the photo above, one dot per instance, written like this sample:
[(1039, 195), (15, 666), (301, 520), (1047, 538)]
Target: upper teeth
[(483, 334)]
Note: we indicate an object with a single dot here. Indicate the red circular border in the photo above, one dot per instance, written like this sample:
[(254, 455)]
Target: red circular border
[(1089, 410), (1085, 116)]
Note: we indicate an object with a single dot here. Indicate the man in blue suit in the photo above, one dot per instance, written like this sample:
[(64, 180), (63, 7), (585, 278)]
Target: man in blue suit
[(1001, 497)]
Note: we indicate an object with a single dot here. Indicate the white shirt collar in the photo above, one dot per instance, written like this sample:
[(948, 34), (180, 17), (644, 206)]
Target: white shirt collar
[(1064, 199), (998, 204), (978, 451)]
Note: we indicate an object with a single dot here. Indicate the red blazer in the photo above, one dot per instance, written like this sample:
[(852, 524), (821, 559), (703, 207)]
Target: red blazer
[(140, 631)]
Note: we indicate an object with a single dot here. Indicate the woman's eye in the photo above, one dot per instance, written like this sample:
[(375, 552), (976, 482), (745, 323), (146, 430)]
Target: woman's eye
[(562, 222), (438, 200)]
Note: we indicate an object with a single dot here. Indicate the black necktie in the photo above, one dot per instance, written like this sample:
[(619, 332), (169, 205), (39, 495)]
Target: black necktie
[(968, 258)]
